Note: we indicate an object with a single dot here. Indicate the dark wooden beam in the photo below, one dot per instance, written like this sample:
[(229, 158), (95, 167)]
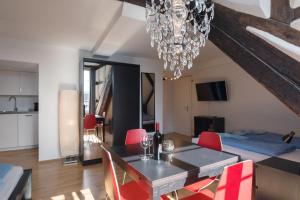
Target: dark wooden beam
[(234, 23), (276, 71), (258, 69), (149, 78), (275, 27), (106, 96), (278, 25), (281, 11), (136, 2), (296, 14)]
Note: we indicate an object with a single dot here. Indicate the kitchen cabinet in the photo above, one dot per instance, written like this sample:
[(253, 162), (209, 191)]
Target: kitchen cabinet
[(18, 83), (28, 83), (27, 129), (9, 130), (9, 83)]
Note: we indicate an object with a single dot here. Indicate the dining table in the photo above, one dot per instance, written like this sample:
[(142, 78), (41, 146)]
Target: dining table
[(186, 164)]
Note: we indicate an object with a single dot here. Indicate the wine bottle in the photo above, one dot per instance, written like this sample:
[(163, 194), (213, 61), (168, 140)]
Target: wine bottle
[(157, 142)]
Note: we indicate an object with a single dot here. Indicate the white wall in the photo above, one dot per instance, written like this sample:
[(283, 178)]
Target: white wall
[(168, 106), (250, 105), (58, 67)]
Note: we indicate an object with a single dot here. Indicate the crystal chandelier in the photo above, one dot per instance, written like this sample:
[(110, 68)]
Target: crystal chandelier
[(179, 28)]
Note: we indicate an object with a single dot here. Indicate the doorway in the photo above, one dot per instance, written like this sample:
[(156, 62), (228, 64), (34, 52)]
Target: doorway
[(96, 112), (109, 99), (182, 107)]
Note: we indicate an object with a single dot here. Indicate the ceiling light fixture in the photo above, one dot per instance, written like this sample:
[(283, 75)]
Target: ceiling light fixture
[(179, 28)]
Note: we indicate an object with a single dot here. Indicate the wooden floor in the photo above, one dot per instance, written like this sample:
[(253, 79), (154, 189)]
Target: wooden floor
[(53, 180), (91, 145)]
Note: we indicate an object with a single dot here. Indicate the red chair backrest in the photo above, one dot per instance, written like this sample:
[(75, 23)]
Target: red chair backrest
[(236, 182), (134, 136), (210, 140), (90, 121), (110, 178)]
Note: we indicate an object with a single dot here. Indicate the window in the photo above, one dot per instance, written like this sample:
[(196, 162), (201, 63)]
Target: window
[(86, 91)]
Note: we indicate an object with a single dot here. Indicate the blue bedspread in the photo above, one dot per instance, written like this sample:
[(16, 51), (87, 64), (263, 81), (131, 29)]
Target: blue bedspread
[(264, 145), (4, 169), (272, 137)]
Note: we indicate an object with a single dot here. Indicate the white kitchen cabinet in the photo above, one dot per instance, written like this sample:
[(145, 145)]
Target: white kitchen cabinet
[(28, 83), (9, 83), (18, 83), (28, 129), (8, 130)]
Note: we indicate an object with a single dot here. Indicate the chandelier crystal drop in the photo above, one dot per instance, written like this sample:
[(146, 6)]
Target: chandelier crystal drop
[(179, 28)]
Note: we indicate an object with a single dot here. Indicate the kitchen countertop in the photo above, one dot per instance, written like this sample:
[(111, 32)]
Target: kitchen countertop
[(17, 112)]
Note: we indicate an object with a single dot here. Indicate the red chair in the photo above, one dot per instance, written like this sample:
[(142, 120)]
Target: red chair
[(209, 140), (134, 136), (90, 124), (129, 191), (235, 184)]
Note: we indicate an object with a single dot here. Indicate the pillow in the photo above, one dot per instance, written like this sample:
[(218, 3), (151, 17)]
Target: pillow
[(249, 132), (236, 136)]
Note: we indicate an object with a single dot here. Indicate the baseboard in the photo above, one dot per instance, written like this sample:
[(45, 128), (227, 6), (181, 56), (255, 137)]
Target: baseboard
[(18, 148)]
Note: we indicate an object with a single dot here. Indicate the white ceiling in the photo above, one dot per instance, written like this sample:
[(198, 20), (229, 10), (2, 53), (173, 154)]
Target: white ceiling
[(138, 45), (69, 23), (260, 8), (18, 66), (102, 26), (295, 3)]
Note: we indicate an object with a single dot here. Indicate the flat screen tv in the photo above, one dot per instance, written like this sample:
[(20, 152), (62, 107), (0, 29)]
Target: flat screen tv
[(211, 91)]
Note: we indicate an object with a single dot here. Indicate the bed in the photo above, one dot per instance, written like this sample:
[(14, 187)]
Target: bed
[(148, 122), (148, 119), (259, 146), (15, 183), (256, 157)]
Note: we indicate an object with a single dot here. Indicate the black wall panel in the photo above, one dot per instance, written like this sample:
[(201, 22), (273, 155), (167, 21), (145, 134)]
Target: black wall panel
[(126, 100)]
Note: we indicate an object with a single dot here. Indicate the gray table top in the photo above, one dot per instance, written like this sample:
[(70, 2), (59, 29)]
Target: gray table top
[(189, 161)]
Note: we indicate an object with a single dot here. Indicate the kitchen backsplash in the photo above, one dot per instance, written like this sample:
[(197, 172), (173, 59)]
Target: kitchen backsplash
[(24, 103)]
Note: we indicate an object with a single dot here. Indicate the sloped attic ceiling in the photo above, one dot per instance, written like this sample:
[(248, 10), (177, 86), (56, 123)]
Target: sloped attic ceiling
[(268, 49), (270, 59), (110, 27)]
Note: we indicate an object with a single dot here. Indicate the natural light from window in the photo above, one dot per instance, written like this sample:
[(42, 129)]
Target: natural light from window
[(86, 91), (85, 194)]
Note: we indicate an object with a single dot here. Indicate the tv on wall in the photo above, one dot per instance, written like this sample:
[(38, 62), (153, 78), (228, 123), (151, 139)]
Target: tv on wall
[(211, 91)]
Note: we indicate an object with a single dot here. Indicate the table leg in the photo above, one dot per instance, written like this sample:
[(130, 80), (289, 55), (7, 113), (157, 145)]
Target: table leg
[(154, 194), (28, 188)]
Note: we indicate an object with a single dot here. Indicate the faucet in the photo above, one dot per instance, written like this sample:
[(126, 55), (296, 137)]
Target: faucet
[(13, 97)]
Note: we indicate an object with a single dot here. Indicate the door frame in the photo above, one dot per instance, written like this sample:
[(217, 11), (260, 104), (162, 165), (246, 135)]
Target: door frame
[(89, 57)]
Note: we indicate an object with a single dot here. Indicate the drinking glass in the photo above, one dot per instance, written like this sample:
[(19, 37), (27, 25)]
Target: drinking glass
[(150, 140), (145, 144)]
